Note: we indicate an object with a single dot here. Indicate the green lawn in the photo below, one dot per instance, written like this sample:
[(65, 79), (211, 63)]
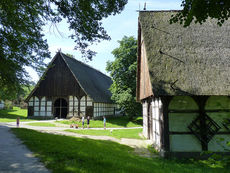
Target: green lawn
[(69, 154), (10, 115), (119, 133), (110, 122), (44, 124)]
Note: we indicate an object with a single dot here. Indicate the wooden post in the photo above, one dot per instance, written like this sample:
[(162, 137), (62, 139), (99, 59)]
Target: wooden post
[(164, 123), (201, 101)]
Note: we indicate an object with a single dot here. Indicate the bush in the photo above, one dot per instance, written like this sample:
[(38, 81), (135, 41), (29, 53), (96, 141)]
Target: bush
[(23, 105), (8, 104)]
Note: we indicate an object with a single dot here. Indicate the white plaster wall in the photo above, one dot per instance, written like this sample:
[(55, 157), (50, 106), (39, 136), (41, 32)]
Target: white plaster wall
[(89, 101), (219, 118), (49, 103), (31, 101), (36, 113), (42, 109), (70, 114), (36, 103), (42, 113), (145, 119), (49, 114), (179, 122), (103, 109), (184, 143), (36, 109), (156, 114), (49, 108), (219, 143)]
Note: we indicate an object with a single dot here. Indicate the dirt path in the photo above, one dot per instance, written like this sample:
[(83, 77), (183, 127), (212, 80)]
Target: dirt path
[(15, 157)]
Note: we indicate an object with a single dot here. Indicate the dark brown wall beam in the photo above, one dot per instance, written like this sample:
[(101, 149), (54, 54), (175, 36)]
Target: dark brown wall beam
[(183, 111), (164, 124), (201, 101)]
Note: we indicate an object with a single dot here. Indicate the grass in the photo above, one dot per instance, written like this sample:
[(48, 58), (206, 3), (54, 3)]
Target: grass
[(119, 133), (43, 124), (110, 122), (10, 115), (68, 154)]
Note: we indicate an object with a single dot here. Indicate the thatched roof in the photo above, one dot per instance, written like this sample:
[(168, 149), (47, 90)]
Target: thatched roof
[(183, 61), (93, 82)]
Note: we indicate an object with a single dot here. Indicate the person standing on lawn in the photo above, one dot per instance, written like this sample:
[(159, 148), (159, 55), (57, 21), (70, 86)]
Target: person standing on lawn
[(18, 121), (104, 120), (88, 119), (83, 121)]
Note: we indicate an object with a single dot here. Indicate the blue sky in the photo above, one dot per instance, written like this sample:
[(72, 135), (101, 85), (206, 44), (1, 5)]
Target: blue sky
[(116, 26)]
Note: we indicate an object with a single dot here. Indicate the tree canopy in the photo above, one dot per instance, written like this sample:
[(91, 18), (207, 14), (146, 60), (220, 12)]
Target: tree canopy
[(123, 72), (22, 42), (199, 11)]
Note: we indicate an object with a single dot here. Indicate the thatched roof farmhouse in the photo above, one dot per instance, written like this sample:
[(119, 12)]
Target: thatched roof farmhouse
[(183, 83), (71, 88)]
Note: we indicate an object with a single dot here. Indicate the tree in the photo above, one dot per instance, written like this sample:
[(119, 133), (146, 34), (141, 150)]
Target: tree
[(123, 72), (200, 10), (22, 42)]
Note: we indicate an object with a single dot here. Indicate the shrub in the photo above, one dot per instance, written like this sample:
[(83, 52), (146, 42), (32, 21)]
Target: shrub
[(8, 104), (23, 105)]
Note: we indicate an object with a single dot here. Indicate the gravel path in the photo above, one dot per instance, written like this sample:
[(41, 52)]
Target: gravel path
[(15, 157)]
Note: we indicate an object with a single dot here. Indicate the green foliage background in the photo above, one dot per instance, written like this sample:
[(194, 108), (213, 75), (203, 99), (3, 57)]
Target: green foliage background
[(22, 41), (123, 72)]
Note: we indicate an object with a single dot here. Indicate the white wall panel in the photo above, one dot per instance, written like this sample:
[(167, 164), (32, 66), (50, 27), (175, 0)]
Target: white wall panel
[(48, 113), (36, 113), (42, 113), (186, 143), (49, 103), (36, 103), (49, 109), (31, 103), (43, 108), (145, 120), (219, 143), (179, 122)]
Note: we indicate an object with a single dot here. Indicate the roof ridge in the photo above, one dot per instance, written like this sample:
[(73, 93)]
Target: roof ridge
[(159, 10), (86, 65)]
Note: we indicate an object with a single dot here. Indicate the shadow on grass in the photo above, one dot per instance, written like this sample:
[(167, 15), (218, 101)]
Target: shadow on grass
[(124, 120), (16, 112), (70, 154), (111, 122), (11, 114)]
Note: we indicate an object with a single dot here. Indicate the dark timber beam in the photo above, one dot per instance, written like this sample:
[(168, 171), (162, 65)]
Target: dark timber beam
[(164, 124), (201, 101)]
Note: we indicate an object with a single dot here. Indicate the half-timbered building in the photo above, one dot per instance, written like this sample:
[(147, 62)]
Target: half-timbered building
[(70, 88), (183, 83)]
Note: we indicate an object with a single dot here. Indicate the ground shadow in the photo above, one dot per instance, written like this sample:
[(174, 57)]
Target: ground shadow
[(124, 120), (15, 113), (88, 155), (11, 114)]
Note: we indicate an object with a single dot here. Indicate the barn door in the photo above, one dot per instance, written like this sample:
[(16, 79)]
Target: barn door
[(60, 108), (89, 111)]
